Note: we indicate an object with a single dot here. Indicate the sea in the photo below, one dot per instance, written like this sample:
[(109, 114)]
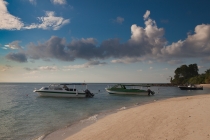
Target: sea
[(26, 116)]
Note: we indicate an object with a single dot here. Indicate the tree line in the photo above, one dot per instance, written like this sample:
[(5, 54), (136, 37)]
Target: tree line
[(189, 75)]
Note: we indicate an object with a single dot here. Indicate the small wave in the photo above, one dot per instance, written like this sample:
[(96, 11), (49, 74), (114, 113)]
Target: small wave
[(123, 108), (92, 118)]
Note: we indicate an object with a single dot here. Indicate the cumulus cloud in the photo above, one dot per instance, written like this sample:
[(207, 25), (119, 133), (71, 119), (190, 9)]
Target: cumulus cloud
[(61, 2), (8, 21), (18, 57), (13, 45), (145, 44), (50, 21), (144, 41), (195, 45)]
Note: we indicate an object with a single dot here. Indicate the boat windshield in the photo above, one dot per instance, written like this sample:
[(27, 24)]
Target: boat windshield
[(119, 86), (55, 87)]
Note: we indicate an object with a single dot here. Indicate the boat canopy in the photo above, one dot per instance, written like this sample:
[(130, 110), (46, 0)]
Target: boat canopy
[(135, 85), (73, 84)]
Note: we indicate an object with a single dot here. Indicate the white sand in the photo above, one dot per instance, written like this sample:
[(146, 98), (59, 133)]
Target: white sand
[(183, 118)]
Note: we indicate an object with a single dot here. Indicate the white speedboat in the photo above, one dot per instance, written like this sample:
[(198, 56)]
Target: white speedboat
[(62, 90), (122, 89)]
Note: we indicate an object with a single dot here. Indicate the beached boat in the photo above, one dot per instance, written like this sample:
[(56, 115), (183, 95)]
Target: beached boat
[(62, 90), (191, 87), (129, 89)]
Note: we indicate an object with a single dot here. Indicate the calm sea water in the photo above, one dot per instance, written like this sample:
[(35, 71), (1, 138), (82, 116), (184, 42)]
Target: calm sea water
[(26, 116)]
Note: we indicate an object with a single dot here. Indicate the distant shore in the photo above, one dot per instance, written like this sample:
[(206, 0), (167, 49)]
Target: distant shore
[(182, 118), (171, 85), (205, 85)]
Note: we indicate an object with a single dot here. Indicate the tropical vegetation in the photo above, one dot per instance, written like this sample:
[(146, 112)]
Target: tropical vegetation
[(189, 75)]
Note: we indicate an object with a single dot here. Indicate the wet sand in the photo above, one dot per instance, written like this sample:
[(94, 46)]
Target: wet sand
[(182, 118)]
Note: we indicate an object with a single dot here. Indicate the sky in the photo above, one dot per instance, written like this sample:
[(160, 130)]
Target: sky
[(102, 41)]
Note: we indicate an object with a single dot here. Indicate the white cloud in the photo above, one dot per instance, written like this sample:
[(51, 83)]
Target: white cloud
[(146, 43), (151, 34), (49, 21), (195, 45), (61, 2), (49, 68), (8, 21), (150, 68), (13, 45), (146, 15)]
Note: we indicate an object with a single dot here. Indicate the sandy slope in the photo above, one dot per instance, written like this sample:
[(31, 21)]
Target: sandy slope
[(183, 118)]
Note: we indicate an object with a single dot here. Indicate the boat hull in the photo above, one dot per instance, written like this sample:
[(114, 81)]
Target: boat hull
[(191, 88), (128, 92), (60, 94)]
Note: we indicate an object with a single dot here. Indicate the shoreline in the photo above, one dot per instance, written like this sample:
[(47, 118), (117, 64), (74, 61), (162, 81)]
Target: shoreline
[(175, 118), (78, 127)]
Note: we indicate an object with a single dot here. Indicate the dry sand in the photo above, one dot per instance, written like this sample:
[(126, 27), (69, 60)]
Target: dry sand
[(205, 85), (183, 118)]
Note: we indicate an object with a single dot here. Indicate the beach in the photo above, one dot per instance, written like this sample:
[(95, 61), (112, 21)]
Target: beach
[(185, 118)]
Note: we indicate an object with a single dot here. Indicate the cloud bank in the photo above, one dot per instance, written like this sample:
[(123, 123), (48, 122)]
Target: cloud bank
[(145, 44)]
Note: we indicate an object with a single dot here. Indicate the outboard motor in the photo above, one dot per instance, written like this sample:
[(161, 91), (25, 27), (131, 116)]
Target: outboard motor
[(150, 92), (88, 93)]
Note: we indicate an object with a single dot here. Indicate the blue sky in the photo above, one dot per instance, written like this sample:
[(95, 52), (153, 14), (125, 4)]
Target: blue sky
[(102, 40)]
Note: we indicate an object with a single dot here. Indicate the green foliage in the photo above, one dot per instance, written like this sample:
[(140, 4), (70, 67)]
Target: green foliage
[(184, 73), (207, 76), (189, 74), (197, 79)]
